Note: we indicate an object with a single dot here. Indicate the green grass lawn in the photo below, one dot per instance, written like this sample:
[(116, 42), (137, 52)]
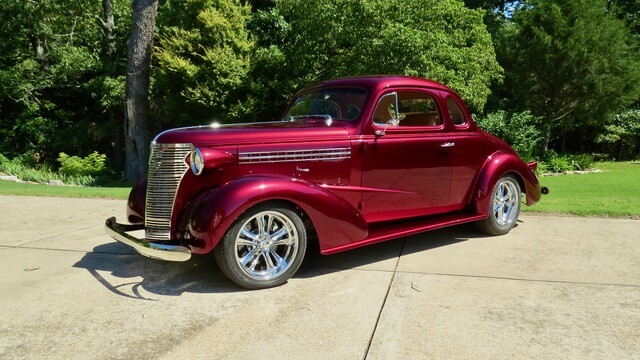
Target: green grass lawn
[(615, 192), (11, 188)]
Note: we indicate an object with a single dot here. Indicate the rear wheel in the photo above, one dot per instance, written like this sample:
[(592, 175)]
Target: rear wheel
[(264, 247), (504, 207)]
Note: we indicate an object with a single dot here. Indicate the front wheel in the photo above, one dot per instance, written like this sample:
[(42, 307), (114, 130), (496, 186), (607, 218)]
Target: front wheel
[(504, 207), (264, 247)]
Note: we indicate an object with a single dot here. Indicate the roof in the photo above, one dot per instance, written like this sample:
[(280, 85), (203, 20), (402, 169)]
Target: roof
[(382, 81)]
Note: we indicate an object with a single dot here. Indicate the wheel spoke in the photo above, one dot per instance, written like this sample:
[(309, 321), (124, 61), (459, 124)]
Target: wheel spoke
[(268, 260), (279, 234), (280, 261), (246, 242), (261, 225), (508, 212), (252, 255), (269, 225), (249, 235)]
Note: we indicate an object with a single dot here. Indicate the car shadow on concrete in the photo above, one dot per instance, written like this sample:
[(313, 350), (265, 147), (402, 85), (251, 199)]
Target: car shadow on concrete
[(367, 257), (110, 263)]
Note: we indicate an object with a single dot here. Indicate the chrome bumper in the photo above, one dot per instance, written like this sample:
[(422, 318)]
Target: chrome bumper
[(153, 250)]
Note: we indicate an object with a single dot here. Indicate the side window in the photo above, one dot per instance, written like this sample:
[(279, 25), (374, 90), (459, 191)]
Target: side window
[(414, 109), (456, 113)]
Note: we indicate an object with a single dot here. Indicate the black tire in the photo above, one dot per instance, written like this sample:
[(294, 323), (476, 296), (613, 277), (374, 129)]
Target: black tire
[(504, 207), (258, 259)]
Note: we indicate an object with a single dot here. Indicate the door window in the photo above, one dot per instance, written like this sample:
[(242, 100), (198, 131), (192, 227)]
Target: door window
[(414, 109)]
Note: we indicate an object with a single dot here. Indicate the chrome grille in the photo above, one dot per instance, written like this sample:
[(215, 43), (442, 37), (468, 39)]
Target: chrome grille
[(166, 168)]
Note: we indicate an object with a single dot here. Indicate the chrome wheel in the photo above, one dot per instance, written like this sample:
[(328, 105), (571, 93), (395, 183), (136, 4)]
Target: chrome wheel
[(506, 202), (266, 245), (503, 207)]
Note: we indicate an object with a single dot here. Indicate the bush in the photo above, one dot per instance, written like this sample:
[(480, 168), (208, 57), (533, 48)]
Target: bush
[(3, 160), (582, 161), (93, 164), (558, 163), (44, 174), (520, 130)]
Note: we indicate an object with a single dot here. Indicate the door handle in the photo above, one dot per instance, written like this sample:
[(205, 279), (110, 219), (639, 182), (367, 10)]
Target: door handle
[(299, 169), (448, 144)]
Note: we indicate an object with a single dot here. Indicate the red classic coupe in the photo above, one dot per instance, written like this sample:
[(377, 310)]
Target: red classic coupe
[(352, 162)]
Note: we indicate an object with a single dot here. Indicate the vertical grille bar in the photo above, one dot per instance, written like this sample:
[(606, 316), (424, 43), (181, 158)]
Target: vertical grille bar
[(166, 168)]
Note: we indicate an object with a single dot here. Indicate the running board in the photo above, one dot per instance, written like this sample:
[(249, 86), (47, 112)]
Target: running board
[(393, 231)]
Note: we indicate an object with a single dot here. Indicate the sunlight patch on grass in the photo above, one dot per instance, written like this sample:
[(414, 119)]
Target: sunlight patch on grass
[(12, 188), (615, 192)]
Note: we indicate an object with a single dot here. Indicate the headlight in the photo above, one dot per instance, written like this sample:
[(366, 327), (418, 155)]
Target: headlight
[(197, 161)]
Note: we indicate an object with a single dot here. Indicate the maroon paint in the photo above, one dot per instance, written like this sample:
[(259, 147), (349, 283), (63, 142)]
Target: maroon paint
[(405, 174), (335, 220)]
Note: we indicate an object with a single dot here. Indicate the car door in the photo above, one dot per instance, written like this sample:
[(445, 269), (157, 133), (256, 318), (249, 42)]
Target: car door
[(406, 167), (468, 153)]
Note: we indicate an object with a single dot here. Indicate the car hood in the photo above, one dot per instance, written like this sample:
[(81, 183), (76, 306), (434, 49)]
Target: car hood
[(257, 133)]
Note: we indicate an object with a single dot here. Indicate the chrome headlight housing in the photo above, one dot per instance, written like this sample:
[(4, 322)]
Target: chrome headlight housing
[(196, 161)]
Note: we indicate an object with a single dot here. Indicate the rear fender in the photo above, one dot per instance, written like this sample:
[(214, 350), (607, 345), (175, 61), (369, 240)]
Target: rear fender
[(498, 165), (212, 213)]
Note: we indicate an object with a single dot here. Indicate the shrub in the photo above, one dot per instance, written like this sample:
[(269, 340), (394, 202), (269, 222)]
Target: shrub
[(520, 130), (93, 164), (558, 163), (3, 160), (582, 161), (542, 168)]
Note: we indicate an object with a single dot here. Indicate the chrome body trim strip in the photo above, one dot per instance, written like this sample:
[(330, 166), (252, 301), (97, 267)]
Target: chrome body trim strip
[(294, 155), (153, 250)]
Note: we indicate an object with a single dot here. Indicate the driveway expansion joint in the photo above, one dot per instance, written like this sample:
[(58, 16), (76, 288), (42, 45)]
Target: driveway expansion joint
[(384, 301)]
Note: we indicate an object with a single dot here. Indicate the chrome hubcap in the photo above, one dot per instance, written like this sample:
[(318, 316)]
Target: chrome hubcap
[(267, 245), (505, 202)]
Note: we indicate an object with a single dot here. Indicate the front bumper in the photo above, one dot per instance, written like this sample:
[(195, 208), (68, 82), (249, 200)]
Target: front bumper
[(153, 250)]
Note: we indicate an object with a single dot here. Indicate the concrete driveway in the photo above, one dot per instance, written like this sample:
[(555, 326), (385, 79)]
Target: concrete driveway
[(555, 287)]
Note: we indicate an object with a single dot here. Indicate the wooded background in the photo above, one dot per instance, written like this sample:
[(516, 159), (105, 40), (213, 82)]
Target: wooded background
[(566, 73)]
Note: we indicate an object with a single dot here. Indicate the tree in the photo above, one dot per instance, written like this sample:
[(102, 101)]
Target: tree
[(441, 40), (137, 88), (203, 57), (47, 56), (571, 62)]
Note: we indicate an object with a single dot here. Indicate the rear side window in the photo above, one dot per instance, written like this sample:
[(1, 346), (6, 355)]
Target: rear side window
[(455, 112)]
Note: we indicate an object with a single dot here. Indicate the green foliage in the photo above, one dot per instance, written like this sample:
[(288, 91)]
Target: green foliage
[(441, 40), (520, 130), (624, 132), (582, 161), (202, 57), (572, 62), (17, 168), (93, 164), (558, 163), (52, 65)]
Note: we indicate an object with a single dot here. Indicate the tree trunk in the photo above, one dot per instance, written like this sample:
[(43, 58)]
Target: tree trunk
[(139, 45), (109, 27)]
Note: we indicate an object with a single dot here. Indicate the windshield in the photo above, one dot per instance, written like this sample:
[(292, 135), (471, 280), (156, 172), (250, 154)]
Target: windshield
[(337, 103)]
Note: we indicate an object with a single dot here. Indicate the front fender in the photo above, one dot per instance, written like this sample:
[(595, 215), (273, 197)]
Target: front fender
[(137, 202), (336, 221), (496, 166)]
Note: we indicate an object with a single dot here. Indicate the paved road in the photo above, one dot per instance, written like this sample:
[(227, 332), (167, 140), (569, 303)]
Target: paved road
[(555, 287)]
